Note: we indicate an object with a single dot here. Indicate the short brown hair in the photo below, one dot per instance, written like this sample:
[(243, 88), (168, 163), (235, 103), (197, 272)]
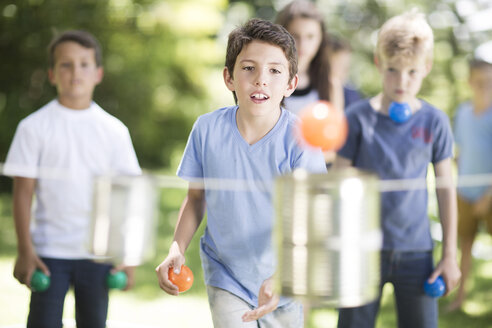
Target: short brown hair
[(257, 29), (83, 38), (407, 35)]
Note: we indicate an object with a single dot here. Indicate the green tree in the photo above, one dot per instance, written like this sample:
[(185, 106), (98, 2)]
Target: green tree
[(163, 58), (158, 59), (459, 27)]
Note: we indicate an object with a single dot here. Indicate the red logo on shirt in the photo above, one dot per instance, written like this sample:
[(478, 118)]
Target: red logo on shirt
[(422, 133)]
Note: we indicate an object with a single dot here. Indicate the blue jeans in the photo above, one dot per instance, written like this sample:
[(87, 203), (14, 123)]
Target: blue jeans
[(407, 271), (91, 294)]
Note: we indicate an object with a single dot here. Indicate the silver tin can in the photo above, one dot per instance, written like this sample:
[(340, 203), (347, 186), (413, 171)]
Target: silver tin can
[(328, 237), (123, 219)]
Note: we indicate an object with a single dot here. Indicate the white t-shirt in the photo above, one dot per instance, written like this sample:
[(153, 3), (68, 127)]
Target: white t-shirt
[(65, 149)]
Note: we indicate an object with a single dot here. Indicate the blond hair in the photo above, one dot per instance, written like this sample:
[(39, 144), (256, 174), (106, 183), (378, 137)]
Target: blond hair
[(407, 35)]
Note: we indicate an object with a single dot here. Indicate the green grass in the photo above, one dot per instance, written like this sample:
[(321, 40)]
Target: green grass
[(147, 306)]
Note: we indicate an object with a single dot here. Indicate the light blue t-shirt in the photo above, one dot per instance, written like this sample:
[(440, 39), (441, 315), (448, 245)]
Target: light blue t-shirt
[(473, 136), (399, 151), (236, 250)]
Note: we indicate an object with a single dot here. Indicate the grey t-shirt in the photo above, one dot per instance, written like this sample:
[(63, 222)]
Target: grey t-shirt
[(399, 151)]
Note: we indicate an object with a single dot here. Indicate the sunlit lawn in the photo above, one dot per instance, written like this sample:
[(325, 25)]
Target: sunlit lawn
[(147, 306), (127, 309)]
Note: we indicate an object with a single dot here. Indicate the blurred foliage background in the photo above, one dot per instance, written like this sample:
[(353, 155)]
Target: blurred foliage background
[(163, 58)]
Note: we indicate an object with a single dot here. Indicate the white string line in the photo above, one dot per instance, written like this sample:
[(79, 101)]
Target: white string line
[(165, 181), (158, 180), (173, 182), (42, 172), (476, 180)]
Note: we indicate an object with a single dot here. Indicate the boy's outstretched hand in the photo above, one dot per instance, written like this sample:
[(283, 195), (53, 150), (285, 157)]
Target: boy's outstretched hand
[(267, 302), (173, 260)]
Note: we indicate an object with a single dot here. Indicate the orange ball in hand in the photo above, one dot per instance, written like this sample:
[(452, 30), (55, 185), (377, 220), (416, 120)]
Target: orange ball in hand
[(322, 125), (183, 280)]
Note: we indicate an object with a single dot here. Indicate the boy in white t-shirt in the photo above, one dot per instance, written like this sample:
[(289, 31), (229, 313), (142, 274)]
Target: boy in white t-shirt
[(56, 153)]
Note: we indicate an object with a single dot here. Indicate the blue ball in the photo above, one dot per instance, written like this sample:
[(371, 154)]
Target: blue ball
[(399, 112), (436, 289)]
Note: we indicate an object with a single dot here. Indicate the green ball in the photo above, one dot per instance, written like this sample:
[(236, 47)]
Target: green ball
[(117, 280), (39, 281)]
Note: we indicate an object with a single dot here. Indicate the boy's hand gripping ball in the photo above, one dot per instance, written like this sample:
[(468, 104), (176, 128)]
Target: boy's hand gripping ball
[(322, 125), (183, 280), (117, 280), (39, 281), (436, 289)]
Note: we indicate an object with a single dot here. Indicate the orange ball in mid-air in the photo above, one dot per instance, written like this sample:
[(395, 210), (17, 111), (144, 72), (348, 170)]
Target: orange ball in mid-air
[(322, 125), (183, 280)]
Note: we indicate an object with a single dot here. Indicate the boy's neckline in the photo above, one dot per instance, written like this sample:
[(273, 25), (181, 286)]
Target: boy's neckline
[(75, 105), (74, 111), (378, 105), (257, 140), (484, 109)]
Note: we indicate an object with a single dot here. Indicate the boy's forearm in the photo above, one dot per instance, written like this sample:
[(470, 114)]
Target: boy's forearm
[(446, 198), (22, 201), (190, 217), (447, 211)]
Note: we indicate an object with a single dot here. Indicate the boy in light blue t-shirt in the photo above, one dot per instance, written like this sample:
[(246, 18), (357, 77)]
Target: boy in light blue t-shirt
[(401, 147), (250, 143), (473, 136)]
